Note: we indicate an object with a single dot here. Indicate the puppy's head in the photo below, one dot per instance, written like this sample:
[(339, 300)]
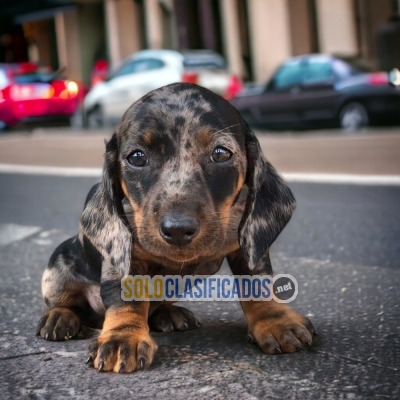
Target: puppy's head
[(181, 157)]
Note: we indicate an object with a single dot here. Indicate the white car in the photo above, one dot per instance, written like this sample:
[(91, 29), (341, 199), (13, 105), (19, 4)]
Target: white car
[(148, 70)]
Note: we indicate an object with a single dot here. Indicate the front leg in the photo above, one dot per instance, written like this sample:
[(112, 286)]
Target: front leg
[(125, 344), (275, 327)]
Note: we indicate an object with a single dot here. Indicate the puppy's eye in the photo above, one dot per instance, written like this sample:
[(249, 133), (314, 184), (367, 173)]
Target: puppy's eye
[(220, 154), (137, 158)]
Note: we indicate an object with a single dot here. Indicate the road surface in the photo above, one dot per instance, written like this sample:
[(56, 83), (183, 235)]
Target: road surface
[(342, 246)]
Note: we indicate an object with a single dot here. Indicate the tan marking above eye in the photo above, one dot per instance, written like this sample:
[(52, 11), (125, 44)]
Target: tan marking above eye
[(147, 138), (204, 137)]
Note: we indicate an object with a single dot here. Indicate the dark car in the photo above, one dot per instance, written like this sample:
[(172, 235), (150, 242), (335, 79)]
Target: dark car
[(321, 91)]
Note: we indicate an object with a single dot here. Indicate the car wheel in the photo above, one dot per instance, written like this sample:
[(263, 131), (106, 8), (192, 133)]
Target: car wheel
[(353, 117), (77, 119), (95, 118)]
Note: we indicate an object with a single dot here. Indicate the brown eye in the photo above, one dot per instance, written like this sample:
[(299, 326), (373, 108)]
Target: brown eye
[(137, 158), (220, 154)]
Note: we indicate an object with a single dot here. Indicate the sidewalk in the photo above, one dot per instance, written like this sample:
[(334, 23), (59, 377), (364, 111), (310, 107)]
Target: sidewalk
[(376, 152)]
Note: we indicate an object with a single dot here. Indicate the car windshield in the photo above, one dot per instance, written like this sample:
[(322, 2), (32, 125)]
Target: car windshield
[(134, 67), (306, 71), (205, 60), (34, 77), (3, 78)]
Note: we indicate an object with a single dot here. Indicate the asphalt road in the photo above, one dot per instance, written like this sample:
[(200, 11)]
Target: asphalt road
[(342, 245)]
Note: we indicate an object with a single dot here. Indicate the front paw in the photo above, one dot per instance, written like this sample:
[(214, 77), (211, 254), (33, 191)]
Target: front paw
[(58, 323), (122, 349), (285, 332), (168, 318)]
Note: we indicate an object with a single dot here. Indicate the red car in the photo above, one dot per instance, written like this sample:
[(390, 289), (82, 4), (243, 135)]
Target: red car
[(31, 92)]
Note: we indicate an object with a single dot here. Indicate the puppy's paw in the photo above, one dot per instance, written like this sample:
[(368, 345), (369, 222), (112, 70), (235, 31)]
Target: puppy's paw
[(122, 349), (59, 323), (286, 332), (168, 318)]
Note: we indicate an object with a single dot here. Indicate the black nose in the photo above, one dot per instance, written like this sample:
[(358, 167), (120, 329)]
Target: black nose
[(178, 231)]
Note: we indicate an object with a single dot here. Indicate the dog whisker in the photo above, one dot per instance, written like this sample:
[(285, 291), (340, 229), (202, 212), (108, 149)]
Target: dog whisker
[(231, 126)]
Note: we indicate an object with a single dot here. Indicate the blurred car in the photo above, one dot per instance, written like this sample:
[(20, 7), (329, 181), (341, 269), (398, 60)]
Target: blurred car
[(29, 92), (147, 70), (320, 91)]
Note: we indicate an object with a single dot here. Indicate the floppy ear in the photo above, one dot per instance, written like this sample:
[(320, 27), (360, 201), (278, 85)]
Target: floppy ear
[(270, 204), (103, 220)]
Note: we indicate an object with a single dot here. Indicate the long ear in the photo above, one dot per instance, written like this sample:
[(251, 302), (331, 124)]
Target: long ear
[(270, 204), (103, 220)]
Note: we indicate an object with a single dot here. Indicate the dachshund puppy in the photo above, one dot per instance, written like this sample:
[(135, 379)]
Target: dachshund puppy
[(185, 184)]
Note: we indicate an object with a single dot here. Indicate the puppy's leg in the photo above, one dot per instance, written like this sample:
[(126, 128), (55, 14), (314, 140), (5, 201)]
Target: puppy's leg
[(168, 318), (71, 293), (275, 327), (125, 344)]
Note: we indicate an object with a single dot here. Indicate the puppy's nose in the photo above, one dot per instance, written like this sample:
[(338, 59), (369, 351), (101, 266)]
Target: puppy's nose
[(178, 231)]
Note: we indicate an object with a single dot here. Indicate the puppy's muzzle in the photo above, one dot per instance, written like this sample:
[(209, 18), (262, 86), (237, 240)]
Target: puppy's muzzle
[(178, 230)]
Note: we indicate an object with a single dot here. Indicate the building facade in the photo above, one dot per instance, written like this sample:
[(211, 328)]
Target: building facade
[(255, 36)]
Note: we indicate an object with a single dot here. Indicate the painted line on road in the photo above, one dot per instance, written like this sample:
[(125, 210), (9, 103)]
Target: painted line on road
[(10, 233), (384, 180), (352, 179), (42, 170)]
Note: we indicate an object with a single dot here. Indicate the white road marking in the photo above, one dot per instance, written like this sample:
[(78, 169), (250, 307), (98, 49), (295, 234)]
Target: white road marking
[(10, 233), (70, 353), (389, 180), (43, 170), (43, 242), (352, 179)]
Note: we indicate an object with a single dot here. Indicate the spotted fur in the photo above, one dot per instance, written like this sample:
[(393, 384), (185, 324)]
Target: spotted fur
[(240, 207)]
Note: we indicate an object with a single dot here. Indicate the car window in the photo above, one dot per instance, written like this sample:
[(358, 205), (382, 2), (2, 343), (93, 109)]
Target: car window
[(3, 79), (209, 61), (35, 77), (302, 72), (134, 67), (317, 71), (289, 74), (342, 69)]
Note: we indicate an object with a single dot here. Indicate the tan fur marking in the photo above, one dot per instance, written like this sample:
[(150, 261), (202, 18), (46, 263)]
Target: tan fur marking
[(276, 326), (147, 138), (136, 314), (137, 211), (204, 137)]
